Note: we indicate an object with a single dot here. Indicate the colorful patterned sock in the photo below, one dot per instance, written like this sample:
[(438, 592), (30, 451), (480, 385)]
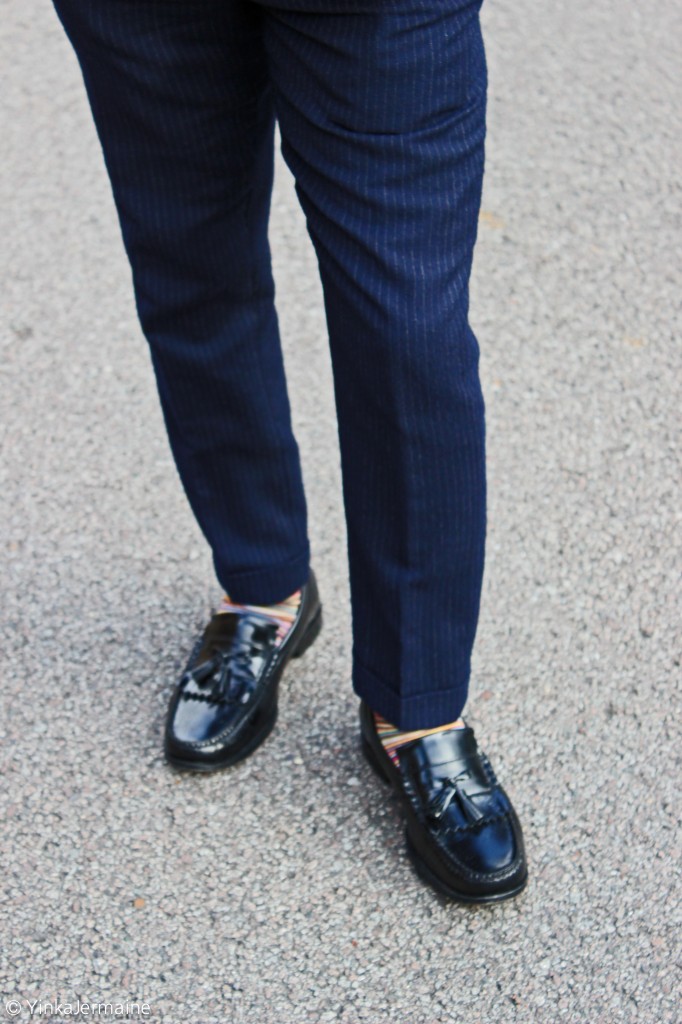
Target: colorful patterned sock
[(392, 739), (283, 613)]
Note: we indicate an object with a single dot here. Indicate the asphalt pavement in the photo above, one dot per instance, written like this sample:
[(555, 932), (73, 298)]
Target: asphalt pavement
[(279, 892)]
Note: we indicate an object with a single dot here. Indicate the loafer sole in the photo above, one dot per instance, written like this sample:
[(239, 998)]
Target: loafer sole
[(427, 874)]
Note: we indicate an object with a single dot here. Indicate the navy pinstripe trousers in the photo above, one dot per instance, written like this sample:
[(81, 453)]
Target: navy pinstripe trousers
[(381, 108)]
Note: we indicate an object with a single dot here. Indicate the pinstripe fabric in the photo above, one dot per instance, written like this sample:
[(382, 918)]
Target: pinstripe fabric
[(381, 107)]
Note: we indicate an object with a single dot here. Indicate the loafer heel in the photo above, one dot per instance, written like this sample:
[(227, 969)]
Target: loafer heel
[(312, 632), (374, 761)]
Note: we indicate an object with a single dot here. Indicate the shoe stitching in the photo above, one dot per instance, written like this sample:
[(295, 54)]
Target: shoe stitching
[(449, 862)]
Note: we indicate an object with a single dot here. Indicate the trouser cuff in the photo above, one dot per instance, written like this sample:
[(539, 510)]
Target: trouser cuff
[(421, 711), (265, 586)]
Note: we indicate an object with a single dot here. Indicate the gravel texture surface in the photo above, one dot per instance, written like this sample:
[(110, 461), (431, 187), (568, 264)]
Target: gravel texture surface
[(278, 892)]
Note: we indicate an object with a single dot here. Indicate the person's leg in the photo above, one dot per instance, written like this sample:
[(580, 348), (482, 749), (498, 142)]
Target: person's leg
[(382, 113), (184, 112), (381, 106)]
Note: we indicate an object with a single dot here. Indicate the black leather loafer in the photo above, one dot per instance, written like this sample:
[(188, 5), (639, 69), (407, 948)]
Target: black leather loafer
[(463, 835), (225, 704)]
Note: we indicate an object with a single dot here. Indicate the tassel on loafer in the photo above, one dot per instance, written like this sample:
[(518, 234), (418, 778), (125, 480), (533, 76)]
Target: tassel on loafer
[(463, 835)]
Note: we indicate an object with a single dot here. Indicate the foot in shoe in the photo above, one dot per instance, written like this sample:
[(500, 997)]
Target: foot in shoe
[(392, 739), (463, 835), (225, 703), (283, 613)]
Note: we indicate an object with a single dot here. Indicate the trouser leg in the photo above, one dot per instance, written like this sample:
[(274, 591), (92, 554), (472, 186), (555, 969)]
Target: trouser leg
[(382, 113), (184, 112)]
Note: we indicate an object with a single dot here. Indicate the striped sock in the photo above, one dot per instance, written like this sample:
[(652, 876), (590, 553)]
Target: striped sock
[(283, 613), (392, 739)]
